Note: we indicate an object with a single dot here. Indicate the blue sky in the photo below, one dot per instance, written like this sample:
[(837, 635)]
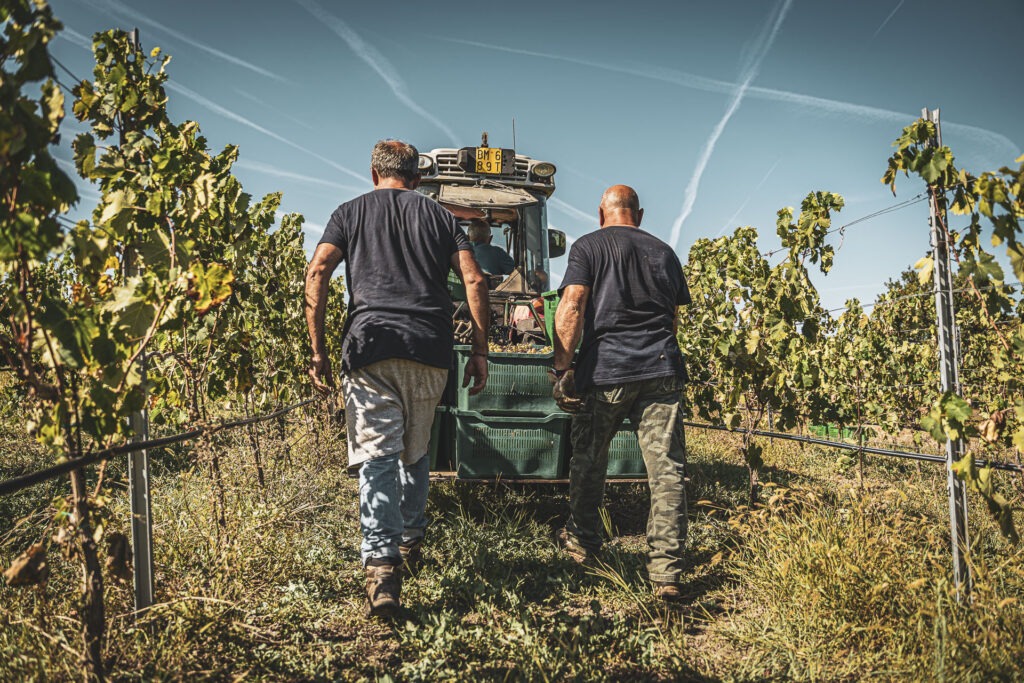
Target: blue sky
[(718, 113)]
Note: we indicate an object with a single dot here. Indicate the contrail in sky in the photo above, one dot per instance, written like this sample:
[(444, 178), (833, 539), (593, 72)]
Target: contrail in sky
[(570, 210), (688, 80), (891, 15), (728, 223), (306, 225), (277, 172), (227, 113), (75, 38), (117, 7), (263, 103), (376, 61), (752, 67)]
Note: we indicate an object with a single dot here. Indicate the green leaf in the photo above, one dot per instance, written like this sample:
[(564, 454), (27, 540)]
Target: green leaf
[(956, 408), (210, 285), (113, 205), (133, 313)]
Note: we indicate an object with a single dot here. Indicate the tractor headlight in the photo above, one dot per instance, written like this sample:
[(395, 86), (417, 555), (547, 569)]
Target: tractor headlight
[(543, 170)]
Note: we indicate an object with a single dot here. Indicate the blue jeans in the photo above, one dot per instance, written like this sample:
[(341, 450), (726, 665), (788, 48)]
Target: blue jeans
[(392, 505)]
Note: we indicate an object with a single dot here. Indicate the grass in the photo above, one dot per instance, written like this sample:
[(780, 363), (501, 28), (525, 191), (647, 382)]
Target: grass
[(824, 581)]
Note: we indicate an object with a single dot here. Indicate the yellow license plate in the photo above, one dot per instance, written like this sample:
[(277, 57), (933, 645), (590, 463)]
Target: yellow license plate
[(488, 160)]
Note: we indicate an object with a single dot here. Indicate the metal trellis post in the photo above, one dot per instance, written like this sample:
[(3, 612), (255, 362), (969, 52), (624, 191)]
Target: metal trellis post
[(949, 366), (138, 461)]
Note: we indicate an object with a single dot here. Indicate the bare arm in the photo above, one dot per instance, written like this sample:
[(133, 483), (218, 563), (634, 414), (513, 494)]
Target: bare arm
[(318, 278), (569, 324), (465, 266)]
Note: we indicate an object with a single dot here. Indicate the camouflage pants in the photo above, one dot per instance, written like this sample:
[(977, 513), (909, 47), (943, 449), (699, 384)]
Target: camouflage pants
[(653, 407)]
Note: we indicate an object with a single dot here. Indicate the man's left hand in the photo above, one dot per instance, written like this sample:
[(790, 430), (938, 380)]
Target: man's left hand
[(320, 372)]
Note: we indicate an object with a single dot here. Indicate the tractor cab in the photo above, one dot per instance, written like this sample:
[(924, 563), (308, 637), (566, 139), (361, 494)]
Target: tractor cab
[(509, 193)]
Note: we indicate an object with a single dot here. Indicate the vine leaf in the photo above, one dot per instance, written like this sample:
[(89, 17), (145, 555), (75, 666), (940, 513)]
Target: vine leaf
[(924, 267), (209, 285)]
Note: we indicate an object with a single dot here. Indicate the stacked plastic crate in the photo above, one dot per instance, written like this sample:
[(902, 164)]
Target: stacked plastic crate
[(512, 429), (625, 460)]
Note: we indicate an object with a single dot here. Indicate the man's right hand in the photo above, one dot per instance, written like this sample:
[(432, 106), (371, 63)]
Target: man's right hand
[(476, 368), (564, 391), (320, 372)]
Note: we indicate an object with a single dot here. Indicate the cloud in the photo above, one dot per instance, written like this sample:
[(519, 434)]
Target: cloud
[(238, 118), (116, 7), (888, 18), (376, 61), (751, 68), (996, 141)]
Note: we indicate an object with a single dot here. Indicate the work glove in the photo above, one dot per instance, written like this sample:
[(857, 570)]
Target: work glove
[(564, 391)]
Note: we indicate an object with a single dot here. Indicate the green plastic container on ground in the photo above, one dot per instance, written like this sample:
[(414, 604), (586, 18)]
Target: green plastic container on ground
[(625, 460), (830, 431), (510, 446), (517, 383)]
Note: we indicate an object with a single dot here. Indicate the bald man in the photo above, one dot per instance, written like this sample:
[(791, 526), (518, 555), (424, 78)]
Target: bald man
[(621, 291)]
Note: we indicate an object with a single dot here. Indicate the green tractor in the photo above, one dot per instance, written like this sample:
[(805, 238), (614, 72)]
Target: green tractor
[(513, 430)]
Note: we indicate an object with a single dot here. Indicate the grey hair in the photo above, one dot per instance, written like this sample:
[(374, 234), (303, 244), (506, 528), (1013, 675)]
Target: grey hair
[(395, 159), (479, 230)]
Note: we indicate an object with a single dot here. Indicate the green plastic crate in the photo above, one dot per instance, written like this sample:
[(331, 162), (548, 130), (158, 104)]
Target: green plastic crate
[(625, 460), (456, 289), (551, 300), (517, 447), (830, 431), (440, 437), (517, 383)]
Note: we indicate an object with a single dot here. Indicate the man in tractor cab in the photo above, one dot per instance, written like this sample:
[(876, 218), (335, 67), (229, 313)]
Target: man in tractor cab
[(493, 259), (621, 290), (398, 246)]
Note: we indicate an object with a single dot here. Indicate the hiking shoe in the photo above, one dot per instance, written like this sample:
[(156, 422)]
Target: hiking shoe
[(383, 586), (571, 547), (668, 591), (412, 555)]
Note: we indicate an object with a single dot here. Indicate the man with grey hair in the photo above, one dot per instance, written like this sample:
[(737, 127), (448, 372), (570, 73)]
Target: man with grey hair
[(493, 259), (396, 352)]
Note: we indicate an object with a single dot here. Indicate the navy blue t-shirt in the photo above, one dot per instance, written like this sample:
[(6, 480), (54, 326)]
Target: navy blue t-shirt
[(636, 282), (397, 246)]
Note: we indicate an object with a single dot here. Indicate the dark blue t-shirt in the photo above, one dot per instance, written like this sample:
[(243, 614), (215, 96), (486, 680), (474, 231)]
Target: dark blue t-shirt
[(397, 246), (636, 282)]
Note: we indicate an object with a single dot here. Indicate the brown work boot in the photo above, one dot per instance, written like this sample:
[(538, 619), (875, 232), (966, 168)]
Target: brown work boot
[(571, 547), (383, 586), (412, 555), (668, 591)]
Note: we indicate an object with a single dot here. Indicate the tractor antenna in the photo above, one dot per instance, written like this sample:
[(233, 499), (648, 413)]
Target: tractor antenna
[(483, 139), (513, 132)]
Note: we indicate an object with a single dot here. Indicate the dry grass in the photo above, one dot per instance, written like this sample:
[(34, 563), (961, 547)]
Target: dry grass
[(823, 582)]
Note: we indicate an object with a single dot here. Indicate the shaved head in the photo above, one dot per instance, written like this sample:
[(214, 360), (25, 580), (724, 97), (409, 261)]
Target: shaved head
[(620, 197), (620, 206)]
